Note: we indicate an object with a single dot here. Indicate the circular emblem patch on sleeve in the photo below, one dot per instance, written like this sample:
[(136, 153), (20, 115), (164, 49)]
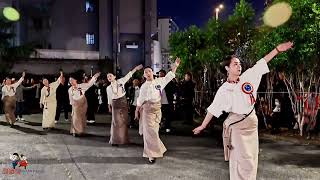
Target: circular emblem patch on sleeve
[(247, 88)]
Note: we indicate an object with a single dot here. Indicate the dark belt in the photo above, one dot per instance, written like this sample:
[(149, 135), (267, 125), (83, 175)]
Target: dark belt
[(246, 115)]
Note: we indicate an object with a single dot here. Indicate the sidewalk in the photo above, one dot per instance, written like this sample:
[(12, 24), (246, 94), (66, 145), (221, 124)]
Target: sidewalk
[(57, 155)]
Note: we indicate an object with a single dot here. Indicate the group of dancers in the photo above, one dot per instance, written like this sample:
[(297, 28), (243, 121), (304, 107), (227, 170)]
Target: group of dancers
[(236, 96), (148, 104)]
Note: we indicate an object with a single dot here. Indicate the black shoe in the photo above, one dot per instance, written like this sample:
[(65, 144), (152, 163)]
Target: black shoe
[(75, 135), (151, 161), (115, 145)]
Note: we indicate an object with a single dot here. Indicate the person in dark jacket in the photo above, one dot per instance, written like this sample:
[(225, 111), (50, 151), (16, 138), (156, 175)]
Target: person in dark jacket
[(20, 100), (187, 94), (62, 100), (167, 102), (92, 99), (133, 94)]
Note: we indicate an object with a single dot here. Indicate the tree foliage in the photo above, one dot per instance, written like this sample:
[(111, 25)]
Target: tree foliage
[(240, 35), (302, 28), (8, 52)]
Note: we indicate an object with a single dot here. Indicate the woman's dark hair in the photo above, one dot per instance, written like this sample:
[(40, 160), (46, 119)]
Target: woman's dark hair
[(148, 67), (226, 62), (77, 77), (163, 71)]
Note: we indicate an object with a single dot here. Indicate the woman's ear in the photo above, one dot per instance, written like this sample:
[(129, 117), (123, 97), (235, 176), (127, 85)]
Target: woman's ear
[(227, 68)]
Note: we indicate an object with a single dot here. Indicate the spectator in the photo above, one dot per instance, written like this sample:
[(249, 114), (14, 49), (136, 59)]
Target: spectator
[(62, 100), (134, 91), (167, 102), (187, 94), (20, 100)]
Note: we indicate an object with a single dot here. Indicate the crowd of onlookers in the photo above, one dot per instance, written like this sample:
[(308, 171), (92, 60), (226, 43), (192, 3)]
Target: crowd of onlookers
[(282, 114)]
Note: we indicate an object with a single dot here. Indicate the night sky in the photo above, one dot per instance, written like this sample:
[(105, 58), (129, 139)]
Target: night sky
[(188, 12)]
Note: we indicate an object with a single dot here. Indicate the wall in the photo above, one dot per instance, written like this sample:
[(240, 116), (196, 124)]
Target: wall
[(105, 28), (128, 58), (131, 20), (164, 32), (65, 23)]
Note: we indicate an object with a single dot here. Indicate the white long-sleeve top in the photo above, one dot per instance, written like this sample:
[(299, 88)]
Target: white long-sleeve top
[(231, 98), (116, 89), (48, 94), (151, 90), (76, 93), (10, 90)]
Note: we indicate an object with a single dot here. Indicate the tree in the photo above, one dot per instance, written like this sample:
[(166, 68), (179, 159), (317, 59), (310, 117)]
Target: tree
[(8, 52), (241, 28), (202, 50), (301, 65), (240, 35), (185, 44)]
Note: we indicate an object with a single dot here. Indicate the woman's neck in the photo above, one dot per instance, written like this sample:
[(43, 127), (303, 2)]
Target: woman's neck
[(233, 79)]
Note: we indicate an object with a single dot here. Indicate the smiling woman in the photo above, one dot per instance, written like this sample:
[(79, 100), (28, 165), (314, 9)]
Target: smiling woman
[(11, 14)]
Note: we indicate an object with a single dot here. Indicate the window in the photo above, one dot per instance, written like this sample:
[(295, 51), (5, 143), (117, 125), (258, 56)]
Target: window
[(90, 39), (89, 6)]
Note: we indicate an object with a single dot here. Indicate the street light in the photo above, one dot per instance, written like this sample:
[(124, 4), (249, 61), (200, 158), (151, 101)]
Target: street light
[(218, 9)]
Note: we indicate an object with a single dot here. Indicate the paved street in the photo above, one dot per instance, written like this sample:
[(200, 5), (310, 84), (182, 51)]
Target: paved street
[(57, 155)]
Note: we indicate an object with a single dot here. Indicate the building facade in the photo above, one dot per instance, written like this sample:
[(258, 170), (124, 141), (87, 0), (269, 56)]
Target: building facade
[(166, 26), (87, 31)]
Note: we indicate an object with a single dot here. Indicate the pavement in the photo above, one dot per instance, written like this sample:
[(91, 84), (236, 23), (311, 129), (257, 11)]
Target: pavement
[(57, 155)]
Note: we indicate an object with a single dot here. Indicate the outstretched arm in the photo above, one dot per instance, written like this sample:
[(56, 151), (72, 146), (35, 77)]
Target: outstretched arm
[(86, 86), (129, 75), (176, 64), (220, 103), (137, 68), (15, 85), (280, 48), (204, 124), (163, 81), (58, 81)]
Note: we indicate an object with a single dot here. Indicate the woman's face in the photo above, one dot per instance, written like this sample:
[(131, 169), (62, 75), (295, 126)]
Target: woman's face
[(111, 77), (73, 82), (8, 82), (235, 67), (148, 74), (187, 77), (45, 82)]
